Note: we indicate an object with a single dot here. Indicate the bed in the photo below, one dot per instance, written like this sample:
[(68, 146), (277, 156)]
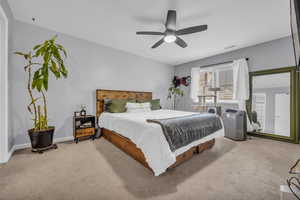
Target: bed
[(144, 141)]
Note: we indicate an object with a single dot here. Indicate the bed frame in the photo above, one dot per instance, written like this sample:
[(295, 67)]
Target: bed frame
[(125, 144)]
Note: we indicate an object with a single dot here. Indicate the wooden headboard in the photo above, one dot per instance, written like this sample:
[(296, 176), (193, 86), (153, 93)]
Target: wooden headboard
[(118, 94)]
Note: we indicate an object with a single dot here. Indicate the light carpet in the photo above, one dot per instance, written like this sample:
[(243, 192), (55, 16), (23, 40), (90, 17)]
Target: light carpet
[(89, 170)]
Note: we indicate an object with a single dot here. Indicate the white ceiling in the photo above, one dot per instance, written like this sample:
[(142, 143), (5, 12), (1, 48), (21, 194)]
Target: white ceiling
[(113, 23)]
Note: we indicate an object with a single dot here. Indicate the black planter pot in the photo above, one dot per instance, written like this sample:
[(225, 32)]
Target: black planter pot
[(41, 139)]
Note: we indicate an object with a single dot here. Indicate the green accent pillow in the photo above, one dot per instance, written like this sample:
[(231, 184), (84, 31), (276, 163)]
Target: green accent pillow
[(155, 103), (118, 105)]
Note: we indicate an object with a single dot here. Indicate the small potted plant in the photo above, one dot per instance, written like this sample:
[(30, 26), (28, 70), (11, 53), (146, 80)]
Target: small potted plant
[(175, 91), (44, 59)]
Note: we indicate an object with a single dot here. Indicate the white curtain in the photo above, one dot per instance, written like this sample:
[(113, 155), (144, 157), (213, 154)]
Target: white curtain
[(240, 82), (195, 75), (241, 85)]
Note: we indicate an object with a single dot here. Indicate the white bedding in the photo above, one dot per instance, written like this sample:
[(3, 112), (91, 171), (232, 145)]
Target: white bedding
[(149, 136)]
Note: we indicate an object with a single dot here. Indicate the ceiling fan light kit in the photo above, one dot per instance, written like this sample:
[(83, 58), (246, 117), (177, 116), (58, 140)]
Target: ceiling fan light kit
[(170, 38), (171, 34)]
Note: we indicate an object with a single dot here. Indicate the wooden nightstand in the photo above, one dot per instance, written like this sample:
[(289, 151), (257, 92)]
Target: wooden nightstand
[(84, 127)]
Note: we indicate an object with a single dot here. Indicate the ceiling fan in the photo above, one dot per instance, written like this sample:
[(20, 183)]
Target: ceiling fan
[(171, 34)]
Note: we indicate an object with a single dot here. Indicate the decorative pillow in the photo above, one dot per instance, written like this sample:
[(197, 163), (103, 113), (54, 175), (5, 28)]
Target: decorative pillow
[(138, 107), (117, 105), (155, 103), (106, 104)]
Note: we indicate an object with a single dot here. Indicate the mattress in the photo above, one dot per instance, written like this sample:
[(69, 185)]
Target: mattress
[(149, 136)]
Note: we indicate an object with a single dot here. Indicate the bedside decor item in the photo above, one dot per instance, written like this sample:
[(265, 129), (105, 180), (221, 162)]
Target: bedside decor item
[(84, 127), (83, 110), (77, 114), (44, 59)]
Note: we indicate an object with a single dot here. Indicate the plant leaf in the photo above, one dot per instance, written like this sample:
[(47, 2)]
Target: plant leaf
[(37, 46), (35, 79), (28, 108), (40, 51), (57, 55), (45, 77), (52, 54), (20, 53), (60, 47), (53, 38), (54, 69), (40, 84), (64, 71)]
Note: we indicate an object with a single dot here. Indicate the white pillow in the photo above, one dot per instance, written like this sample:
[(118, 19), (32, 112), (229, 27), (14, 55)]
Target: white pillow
[(138, 107)]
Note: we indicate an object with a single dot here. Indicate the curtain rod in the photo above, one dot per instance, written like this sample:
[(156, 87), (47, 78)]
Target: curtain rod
[(204, 66)]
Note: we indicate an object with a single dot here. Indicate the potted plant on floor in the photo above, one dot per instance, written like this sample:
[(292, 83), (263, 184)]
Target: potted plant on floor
[(44, 59)]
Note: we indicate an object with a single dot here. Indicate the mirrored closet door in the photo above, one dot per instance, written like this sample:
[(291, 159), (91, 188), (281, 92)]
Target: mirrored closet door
[(274, 99)]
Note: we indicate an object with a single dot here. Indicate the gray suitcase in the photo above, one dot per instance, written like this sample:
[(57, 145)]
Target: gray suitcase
[(235, 124)]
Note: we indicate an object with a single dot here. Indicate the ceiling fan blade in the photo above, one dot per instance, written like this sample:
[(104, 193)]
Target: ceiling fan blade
[(149, 33), (158, 43), (180, 42), (193, 29), (171, 20)]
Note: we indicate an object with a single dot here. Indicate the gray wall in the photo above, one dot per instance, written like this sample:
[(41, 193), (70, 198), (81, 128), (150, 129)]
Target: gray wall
[(273, 54), (91, 67), (8, 12)]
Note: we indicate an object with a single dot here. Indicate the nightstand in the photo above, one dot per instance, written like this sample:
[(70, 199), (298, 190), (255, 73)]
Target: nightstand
[(84, 127)]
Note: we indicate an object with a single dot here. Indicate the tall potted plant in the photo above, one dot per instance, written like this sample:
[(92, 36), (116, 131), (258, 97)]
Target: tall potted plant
[(44, 59)]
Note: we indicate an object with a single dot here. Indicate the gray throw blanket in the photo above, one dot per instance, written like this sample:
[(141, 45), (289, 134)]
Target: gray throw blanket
[(181, 131)]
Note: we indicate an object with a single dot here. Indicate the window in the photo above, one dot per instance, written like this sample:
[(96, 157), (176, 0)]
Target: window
[(225, 83), (217, 77), (206, 81)]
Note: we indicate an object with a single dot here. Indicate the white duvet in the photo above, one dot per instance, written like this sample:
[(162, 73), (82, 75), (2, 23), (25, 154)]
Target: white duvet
[(149, 136)]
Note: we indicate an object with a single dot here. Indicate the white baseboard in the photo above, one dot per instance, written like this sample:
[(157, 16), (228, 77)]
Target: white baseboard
[(10, 153), (27, 145), (55, 140), (21, 146), (8, 156), (64, 139)]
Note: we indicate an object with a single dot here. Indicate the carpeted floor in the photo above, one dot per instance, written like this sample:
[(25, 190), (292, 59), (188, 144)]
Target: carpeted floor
[(97, 170)]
